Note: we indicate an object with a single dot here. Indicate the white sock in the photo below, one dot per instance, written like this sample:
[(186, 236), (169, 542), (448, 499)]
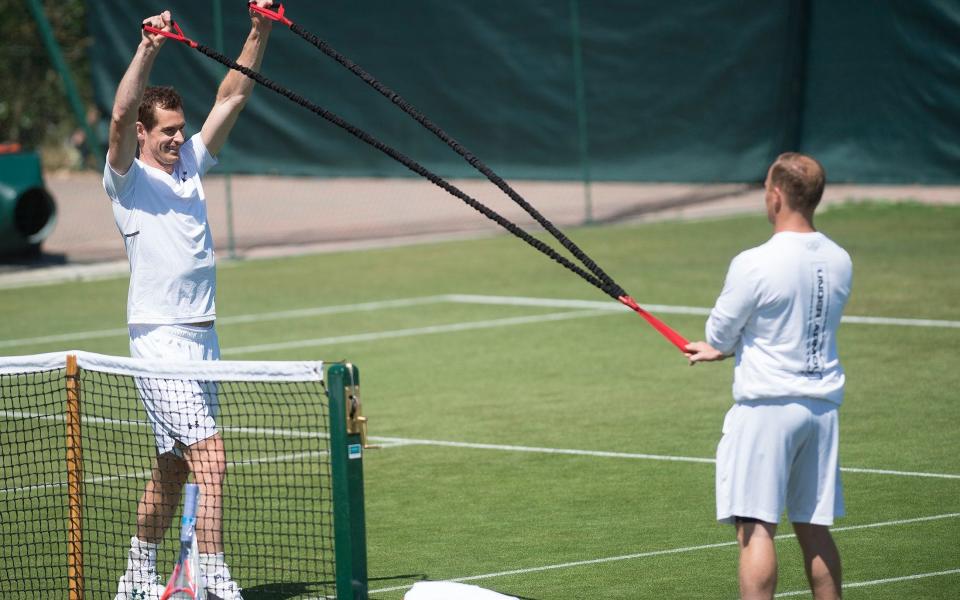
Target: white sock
[(214, 569), (143, 554)]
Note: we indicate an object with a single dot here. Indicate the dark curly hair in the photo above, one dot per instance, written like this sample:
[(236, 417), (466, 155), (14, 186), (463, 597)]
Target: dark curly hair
[(154, 97)]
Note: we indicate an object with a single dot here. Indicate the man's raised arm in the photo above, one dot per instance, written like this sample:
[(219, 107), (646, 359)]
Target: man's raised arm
[(126, 104), (236, 87)]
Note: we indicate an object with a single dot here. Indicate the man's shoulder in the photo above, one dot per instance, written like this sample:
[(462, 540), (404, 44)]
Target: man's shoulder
[(834, 245), (754, 254), (828, 249), (758, 262), (117, 184), (195, 156), (110, 171)]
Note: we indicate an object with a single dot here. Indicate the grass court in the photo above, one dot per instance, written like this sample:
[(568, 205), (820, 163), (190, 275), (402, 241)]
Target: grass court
[(542, 442)]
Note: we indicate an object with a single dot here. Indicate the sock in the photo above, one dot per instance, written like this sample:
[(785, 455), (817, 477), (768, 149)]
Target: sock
[(214, 569), (143, 554)]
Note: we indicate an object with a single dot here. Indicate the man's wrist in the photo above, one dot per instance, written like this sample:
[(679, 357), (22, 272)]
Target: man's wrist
[(260, 29), (148, 48)]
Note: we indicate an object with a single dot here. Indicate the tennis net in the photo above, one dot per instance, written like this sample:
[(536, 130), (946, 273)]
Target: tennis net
[(77, 450)]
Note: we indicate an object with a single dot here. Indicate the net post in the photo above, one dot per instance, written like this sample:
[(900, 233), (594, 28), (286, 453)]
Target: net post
[(74, 458), (346, 453)]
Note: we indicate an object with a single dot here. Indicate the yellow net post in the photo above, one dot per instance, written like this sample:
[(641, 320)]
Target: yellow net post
[(74, 484)]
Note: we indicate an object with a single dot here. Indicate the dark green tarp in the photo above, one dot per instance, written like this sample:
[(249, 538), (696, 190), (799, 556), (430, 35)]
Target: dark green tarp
[(706, 91)]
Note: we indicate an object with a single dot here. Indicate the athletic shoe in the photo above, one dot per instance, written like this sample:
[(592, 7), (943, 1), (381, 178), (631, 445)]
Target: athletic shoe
[(139, 585), (216, 575), (140, 581), (220, 588)]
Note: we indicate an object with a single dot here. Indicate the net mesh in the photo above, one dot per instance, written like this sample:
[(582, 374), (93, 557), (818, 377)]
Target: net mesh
[(33, 505), (276, 497)]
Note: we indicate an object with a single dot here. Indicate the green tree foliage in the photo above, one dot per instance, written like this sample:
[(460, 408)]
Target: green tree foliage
[(34, 110)]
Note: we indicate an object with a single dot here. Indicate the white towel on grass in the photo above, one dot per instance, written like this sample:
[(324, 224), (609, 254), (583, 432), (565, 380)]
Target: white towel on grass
[(447, 590)]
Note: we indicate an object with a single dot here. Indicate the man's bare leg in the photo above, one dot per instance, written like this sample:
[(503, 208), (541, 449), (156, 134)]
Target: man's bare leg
[(821, 560), (161, 496), (758, 559), (207, 460), (154, 512)]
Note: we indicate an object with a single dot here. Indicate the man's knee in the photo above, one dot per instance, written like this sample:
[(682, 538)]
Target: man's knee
[(170, 470), (207, 459), (812, 531), (813, 537), (754, 530)]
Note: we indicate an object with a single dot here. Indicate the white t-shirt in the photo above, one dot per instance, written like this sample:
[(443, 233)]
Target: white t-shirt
[(163, 220), (779, 310)]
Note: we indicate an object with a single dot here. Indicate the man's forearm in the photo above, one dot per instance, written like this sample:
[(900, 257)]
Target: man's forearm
[(122, 145), (236, 87), (236, 83), (134, 82)]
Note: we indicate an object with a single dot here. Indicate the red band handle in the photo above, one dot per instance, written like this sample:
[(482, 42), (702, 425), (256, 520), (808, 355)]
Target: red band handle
[(675, 338), (273, 15), (170, 34)]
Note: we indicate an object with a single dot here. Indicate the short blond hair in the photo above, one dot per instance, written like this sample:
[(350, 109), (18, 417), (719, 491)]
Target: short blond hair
[(801, 179)]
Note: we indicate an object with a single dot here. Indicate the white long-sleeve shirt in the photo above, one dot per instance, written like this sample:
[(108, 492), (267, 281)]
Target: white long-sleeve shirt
[(163, 220), (779, 311)]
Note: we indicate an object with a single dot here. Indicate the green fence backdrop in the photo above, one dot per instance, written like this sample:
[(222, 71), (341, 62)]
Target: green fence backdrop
[(634, 90)]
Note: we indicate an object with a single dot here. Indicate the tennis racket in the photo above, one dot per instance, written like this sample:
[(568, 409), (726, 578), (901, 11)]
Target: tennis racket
[(186, 582)]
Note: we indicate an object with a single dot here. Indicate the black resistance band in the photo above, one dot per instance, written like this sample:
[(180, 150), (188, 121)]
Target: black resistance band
[(598, 278)]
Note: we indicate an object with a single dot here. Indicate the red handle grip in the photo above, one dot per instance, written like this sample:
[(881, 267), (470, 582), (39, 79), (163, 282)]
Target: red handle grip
[(177, 34), (273, 15), (665, 330)]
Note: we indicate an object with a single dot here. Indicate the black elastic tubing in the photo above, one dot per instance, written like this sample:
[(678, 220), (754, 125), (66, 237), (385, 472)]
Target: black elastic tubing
[(471, 158), (608, 286)]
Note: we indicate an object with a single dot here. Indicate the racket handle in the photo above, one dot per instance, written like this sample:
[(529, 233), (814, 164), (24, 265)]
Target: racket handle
[(191, 498)]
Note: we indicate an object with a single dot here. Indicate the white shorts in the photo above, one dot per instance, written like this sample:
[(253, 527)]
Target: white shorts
[(181, 412), (777, 453)]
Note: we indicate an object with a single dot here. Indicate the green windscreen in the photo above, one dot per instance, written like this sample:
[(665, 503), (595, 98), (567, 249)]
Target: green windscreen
[(695, 91)]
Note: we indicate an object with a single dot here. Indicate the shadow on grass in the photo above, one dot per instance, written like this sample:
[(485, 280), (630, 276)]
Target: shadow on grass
[(288, 590)]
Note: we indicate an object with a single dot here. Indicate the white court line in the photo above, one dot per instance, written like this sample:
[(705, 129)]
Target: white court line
[(251, 318), (564, 303), (606, 305), (415, 331), (605, 454), (534, 449), (568, 565), (407, 441), (396, 441), (19, 414), (905, 322), (86, 480), (66, 337), (608, 559), (16, 414), (671, 309), (903, 473), (294, 433), (146, 473), (859, 584)]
